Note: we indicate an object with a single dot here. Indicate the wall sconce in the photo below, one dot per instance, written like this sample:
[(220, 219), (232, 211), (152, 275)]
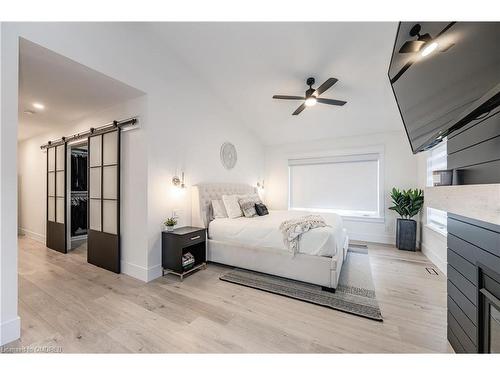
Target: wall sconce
[(260, 185), (179, 182)]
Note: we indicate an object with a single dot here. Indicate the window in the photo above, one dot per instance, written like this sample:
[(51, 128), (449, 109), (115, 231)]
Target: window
[(436, 160), (348, 185), (437, 220)]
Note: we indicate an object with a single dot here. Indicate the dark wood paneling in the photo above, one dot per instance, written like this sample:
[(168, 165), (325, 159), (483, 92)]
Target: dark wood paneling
[(463, 284), (463, 266), (474, 133), (56, 236), (473, 245), (478, 223), (462, 248), (462, 301), (467, 325), (460, 334), (486, 173), (455, 344), (106, 252), (475, 151), (483, 152), (481, 237)]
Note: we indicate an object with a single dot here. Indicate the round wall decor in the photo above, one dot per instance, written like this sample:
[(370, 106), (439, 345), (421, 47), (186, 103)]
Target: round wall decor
[(228, 155)]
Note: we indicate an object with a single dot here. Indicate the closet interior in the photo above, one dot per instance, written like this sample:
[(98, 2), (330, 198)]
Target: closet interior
[(77, 215)]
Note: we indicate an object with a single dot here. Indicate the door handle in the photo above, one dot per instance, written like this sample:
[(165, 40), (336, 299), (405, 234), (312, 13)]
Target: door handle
[(194, 238)]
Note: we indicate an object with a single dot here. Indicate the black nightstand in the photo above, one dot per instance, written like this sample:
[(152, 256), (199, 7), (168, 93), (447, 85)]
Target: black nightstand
[(179, 242)]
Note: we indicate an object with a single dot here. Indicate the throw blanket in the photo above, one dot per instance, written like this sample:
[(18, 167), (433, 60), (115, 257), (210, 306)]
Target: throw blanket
[(292, 229)]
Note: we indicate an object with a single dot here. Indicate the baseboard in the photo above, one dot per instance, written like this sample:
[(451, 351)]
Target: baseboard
[(435, 258), (379, 238), (32, 235), (155, 272), (10, 330), (140, 272)]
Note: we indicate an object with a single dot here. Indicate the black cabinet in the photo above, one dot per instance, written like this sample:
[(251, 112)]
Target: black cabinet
[(178, 243), (473, 259)]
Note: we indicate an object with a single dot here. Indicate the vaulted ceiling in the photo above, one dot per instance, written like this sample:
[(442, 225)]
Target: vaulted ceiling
[(68, 90), (245, 64)]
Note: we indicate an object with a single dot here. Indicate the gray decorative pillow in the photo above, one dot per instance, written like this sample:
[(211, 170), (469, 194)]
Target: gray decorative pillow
[(247, 206)]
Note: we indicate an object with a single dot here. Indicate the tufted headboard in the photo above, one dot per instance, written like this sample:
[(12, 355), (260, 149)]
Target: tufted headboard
[(203, 194)]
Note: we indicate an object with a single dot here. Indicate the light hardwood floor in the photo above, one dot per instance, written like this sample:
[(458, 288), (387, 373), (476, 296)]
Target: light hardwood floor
[(66, 302)]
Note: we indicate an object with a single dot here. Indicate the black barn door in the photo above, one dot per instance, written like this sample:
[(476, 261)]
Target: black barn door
[(103, 247), (56, 198)]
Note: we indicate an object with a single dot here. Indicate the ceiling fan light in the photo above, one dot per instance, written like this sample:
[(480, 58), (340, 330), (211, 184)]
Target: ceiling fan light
[(428, 48), (310, 101)]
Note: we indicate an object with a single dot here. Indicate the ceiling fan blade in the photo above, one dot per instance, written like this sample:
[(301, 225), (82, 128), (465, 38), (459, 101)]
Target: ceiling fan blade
[(326, 85), (300, 109), (446, 47), (411, 46), (330, 101), (288, 97)]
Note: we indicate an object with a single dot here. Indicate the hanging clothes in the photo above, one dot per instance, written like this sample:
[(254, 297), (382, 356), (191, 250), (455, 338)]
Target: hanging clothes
[(78, 216), (78, 192), (79, 171)]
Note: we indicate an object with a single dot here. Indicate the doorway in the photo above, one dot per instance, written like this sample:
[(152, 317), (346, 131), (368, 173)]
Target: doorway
[(77, 214), (70, 123)]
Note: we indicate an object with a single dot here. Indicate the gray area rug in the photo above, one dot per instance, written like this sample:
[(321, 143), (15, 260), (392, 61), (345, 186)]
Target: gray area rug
[(355, 293)]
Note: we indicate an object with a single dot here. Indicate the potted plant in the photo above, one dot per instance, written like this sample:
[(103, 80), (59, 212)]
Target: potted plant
[(407, 203), (170, 223)]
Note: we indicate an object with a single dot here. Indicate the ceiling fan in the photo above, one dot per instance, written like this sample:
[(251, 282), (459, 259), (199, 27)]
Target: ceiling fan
[(312, 95), (425, 44)]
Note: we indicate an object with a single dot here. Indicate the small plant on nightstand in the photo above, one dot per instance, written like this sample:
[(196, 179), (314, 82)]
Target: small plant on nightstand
[(170, 223)]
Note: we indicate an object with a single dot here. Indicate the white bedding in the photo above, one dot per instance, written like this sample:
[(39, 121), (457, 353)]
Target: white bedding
[(263, 231)]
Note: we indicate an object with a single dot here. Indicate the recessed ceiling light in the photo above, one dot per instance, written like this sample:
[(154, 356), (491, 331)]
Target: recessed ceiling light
[(29, 112), (429, 48), (310, 101), (38, 105)]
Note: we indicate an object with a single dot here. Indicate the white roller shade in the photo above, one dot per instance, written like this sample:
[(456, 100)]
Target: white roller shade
[(437, 159), (346, 184)]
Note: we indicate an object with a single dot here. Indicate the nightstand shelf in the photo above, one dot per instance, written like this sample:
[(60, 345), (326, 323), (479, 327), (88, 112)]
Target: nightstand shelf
[(179, 242)]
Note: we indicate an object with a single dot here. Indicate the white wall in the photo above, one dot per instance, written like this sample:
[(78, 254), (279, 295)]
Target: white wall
[(186, 123), (10, 324), (193, 148), (133, 218), (433, 243), (400, 167)]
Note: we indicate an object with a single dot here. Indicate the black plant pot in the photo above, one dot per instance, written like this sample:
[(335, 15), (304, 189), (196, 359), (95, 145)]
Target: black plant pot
[(406, 234)]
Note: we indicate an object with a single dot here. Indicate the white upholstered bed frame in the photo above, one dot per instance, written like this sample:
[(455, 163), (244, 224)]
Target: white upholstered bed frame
[(319, 270)]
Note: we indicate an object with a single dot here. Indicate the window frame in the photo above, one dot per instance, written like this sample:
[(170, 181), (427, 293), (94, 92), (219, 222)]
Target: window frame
[(439, 150), (436, 155), (436, 225), (344, 156)]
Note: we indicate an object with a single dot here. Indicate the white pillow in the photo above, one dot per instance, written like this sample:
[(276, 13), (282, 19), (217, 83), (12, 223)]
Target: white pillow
[(218, 209), (232, 206), (254, 197)]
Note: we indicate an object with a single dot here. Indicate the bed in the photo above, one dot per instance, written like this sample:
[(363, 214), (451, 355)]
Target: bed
[(257, 244)]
